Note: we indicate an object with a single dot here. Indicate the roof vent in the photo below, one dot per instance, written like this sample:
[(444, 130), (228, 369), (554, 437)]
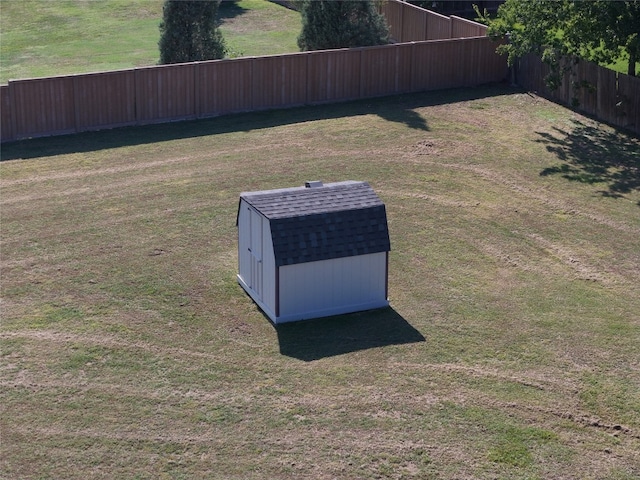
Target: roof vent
[(313, 184)]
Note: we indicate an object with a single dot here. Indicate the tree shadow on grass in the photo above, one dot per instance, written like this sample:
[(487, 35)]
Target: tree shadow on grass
[(594, 156), (311, 340), (230, 9), (397, 109)]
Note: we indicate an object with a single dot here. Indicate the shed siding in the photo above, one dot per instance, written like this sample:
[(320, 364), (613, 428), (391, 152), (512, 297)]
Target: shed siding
[(332, 287), (264, 295), (244, 223)]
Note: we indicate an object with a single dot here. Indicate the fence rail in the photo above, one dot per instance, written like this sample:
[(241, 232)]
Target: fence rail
[(603, 93), (426, 59)]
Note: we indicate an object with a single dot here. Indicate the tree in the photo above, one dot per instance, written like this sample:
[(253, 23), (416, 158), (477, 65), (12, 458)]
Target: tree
[(597, 30), (341, 24), (189, 31)]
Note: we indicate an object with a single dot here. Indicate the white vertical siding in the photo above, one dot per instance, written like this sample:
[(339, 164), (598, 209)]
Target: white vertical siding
[(244, 225), (331, 287), (256, 262)]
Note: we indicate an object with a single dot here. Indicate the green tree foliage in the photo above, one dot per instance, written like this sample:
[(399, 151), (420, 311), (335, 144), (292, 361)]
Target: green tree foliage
[(597, 30), (189, 31), (341, 24)]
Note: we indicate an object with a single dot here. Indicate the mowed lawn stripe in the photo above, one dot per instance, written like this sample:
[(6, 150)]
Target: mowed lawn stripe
[(129, 349)]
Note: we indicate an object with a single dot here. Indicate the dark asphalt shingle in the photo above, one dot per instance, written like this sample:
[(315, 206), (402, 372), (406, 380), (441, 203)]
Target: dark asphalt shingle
[(332, 221)]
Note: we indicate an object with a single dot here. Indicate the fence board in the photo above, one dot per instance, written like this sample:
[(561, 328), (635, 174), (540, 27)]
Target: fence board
[(165, 92), (529, 73), (43, 106), (414, 23), (615, 100), (432, 66), (104, 100), (393, 12), (385, 70), (333, 75), (629, 98), (463, 28), (491, 67), (224, 86), (585, 90), (607, 96), (276, 81), (7, 128), (438, 27)]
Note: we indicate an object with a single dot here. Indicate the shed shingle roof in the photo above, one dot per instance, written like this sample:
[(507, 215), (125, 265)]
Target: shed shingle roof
[(332, 221)]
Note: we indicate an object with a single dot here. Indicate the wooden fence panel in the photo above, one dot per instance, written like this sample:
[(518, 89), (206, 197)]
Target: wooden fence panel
[(165, 93), (438, 27), (564, 94), (385, 70), (43, 106), (629, 98), (476, 63), (433, 68), (490, 66), (532, 75), (393, 12), (104, 100), (333, 75), (224, 86), (414, 23), (278, 81), (463, 28), (615, 99), (529, 73), (607, 96), (7, 131), (586, 87), (466, 72)]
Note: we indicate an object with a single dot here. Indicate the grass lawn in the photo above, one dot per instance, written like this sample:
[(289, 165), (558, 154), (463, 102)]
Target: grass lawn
[(622, 65), (129, 350), (41, 38)]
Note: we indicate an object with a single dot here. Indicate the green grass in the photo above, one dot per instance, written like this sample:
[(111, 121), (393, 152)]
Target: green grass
[(510, 350), (259, 27), (42, 38), (621, 65)]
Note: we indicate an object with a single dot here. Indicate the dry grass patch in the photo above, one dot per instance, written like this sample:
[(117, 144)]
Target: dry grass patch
[(511, 350)]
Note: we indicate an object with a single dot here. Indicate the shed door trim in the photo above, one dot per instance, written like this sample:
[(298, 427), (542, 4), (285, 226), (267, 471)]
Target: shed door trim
[(255, 251)]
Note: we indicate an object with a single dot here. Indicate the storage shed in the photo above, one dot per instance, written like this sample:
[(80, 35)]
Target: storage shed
[(314, 251)]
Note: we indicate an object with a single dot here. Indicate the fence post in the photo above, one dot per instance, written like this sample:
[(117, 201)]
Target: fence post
[(136, 109), (196, 90), (413, 67), (252, 80), (306, 78), (360, 87), (402, 7), (76, 105), (13, 110)]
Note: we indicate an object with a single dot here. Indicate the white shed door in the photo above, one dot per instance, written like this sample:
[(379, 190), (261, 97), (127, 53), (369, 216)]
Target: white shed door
[(255, 251)]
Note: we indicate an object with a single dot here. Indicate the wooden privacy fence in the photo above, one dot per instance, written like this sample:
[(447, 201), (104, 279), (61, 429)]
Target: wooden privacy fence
[(408, 23), (76, 103), (603, 93)]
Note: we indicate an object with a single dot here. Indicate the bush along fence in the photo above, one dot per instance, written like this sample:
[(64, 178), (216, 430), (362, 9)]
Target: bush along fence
[(597, 91), (77, 103)]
